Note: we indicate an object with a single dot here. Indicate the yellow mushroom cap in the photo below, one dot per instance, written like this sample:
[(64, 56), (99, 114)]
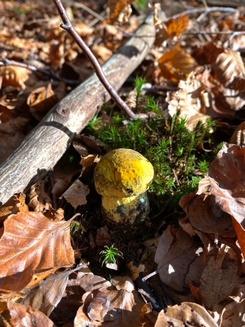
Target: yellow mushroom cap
[(122, 173)]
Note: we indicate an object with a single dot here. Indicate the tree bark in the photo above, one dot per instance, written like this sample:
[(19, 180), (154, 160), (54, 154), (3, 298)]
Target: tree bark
[(48, 141)]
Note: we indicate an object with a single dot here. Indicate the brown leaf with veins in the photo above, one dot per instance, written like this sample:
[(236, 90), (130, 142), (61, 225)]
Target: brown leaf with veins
[(229, 65), (176, 64), (191, 99), (222, 196), (219, 277), (186, 314), (31, 243), (22, 316), (118, 305)]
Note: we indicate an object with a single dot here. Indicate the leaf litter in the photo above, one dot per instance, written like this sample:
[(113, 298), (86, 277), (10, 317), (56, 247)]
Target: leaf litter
[(200, 262)]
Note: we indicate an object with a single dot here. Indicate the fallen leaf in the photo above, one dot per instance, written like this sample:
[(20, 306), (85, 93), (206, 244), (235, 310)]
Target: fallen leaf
[(14, 76), (76, 194), (176, 64), (186, 314), (191, 100), (120, 11), (42, 99), (31, 243), (170, 28), (228, 65), (47, 295), (22, 316), (175, 256), (219, 278)]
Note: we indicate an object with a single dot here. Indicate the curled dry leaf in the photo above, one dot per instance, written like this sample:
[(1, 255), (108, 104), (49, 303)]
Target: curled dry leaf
[(191, 99), (15, 204), (231, 313), (31, 243), (117, 305), (176, 64), (120, 11), (186, 314), (47, 295), (23, 316), (76, 194), (14, 76), (224, 196), (229, 65), (169, 29), (42, 99), (41, 202)]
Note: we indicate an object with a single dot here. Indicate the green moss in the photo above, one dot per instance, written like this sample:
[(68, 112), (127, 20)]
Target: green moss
[(176, 153)]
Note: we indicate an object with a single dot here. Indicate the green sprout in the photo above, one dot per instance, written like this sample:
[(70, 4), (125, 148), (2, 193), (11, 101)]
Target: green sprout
[(76, 227), (139, 82), (110, 255)]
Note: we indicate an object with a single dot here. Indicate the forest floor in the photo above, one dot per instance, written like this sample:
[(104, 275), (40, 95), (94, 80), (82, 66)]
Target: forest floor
[(63, 262)]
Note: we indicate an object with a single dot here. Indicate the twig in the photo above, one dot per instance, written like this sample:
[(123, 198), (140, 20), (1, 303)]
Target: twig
[(32, 68), (70, 29), (204, 10)]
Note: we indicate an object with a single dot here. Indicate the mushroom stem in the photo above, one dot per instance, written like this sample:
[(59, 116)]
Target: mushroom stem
[(132, 209)]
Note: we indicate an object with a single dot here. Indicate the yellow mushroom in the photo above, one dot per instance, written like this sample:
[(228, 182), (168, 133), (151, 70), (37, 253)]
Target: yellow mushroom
[(122, 177)]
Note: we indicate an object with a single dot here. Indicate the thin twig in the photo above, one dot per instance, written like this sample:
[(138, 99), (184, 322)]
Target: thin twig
[(32, 68), (204, 10), (70, 29)]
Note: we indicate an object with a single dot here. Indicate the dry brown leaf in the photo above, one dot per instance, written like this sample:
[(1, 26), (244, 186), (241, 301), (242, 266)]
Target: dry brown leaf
[(214, 221), (229, 65), (191, 99), (176, 256), (76, 194), (42, 99), (41, 202), (176, 64), (46, 296), (117, 305), (170, 28), (30, 243), (14, 76), (22, 316), (15, 204), (186, 314), (224, 197), (219, 278), (101, 52), (238, 137), (120, 11), (232, 312)]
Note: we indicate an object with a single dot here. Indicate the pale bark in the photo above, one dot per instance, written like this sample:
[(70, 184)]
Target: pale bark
[(45, 145)]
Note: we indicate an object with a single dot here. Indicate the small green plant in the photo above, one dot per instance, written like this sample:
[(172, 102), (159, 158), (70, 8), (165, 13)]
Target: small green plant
[(76, 227), (142, 4), (139, 82), (110, 254)]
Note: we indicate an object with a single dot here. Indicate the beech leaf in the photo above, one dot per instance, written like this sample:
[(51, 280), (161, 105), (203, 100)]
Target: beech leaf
[(22, 316), (31, 243)]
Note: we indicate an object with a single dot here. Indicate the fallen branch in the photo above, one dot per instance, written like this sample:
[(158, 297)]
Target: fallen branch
[(45, 145)]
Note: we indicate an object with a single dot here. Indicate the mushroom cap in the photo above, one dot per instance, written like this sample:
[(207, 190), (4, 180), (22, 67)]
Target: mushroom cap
[(122, 173)]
